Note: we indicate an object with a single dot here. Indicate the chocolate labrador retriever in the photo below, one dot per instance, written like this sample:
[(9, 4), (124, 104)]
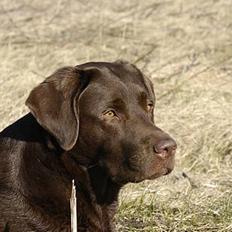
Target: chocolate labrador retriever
[(92, 123)]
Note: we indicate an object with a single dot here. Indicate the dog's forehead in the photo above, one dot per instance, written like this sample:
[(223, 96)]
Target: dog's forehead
[(121, 71)]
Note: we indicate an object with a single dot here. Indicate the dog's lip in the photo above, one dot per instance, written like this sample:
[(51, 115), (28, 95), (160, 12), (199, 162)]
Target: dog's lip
[(154, 176), (168, 171), (165, 172)]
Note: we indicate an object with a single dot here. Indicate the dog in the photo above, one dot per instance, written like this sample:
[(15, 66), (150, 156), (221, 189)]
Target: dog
[(92, 123)]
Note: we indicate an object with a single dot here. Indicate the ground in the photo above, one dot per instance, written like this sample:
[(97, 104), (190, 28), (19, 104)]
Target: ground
[(185, 47)]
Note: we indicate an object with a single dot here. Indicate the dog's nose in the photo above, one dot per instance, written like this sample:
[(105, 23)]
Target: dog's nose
[(166, 147)]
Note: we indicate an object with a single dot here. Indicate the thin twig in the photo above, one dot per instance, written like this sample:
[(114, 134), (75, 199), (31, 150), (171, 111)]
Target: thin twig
[(73, 208), (145, 54)]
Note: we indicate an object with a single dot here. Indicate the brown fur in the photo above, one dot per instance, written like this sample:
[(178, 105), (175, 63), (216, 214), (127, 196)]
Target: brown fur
[(70, 135)]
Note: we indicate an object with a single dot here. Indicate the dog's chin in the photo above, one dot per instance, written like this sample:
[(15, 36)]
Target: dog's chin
[(164, 172)]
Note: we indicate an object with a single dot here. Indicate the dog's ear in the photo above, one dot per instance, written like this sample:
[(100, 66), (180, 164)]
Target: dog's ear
[(54, 103)]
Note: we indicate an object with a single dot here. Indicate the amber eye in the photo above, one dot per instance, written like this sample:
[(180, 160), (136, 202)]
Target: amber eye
[(150, 107), (109, 114)]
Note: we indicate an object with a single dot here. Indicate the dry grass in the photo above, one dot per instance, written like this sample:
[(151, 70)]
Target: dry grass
[(186, 48)]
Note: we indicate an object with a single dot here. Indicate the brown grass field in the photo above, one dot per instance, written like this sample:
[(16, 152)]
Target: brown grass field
[(185, 46)]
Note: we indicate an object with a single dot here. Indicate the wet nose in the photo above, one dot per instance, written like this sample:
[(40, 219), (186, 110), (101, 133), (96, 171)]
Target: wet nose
[(166, 147)]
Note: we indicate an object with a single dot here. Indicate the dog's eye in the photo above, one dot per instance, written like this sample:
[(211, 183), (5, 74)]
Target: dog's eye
[(150, 107), (109, 114)]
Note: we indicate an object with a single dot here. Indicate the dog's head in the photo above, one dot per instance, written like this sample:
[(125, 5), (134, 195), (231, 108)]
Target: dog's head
[(102, 113)]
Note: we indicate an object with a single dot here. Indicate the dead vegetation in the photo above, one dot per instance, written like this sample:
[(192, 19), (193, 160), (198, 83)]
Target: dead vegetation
[(186, 49)]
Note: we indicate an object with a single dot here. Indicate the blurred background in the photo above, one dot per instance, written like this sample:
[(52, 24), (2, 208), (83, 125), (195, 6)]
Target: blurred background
[(185, 47)]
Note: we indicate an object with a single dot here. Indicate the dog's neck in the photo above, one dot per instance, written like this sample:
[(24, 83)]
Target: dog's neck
[(106, 191), (93, 179)]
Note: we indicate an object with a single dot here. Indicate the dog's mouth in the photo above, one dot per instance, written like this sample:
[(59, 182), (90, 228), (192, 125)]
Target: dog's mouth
[(168, 171), (159, 164), (137, 179), (162, 167), (136, 172), (164, 172)]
